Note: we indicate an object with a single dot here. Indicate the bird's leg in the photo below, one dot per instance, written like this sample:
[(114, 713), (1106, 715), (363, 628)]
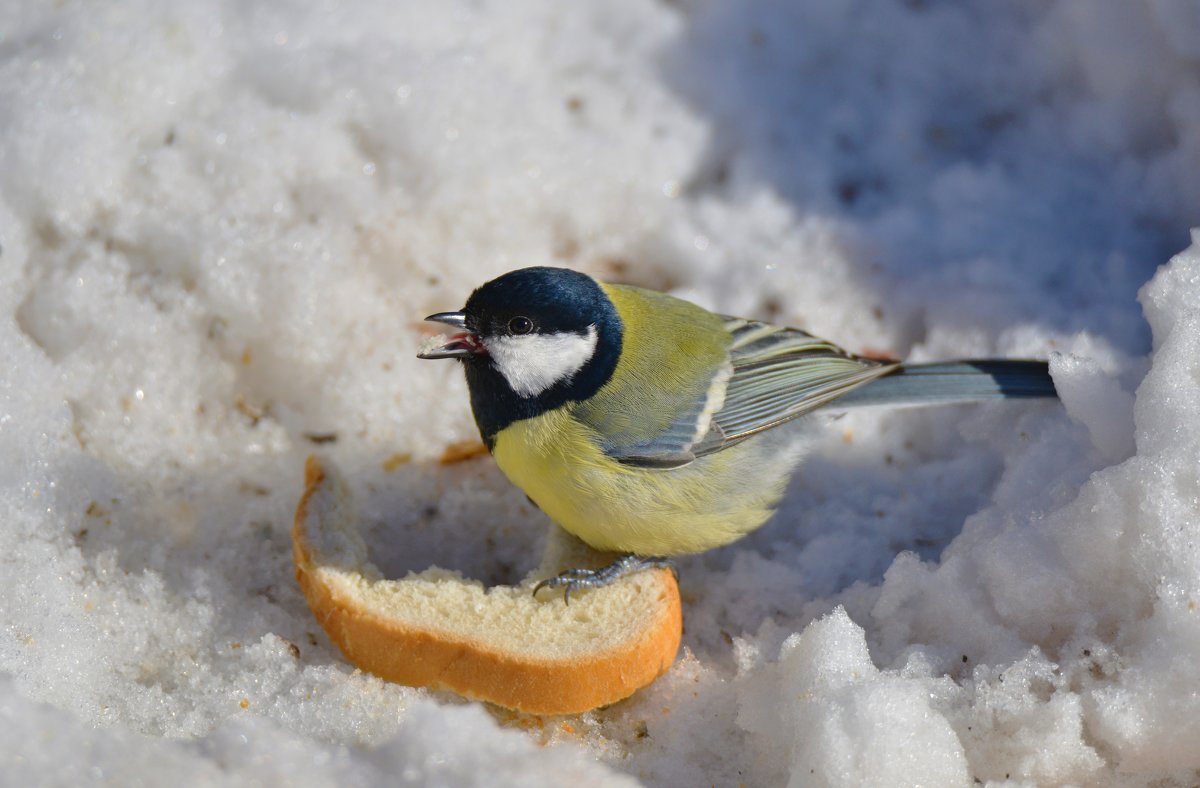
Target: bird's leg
[(580, 579)]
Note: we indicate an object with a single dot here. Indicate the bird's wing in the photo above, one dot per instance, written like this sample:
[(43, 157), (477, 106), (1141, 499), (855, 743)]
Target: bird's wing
[(780, 374), (672, 447), (774, 374)]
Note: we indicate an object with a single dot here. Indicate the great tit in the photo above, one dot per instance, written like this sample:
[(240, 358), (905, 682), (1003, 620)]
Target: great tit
[(646, 425)]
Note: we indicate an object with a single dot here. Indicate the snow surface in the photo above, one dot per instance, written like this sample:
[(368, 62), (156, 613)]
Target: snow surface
[(221, 221)]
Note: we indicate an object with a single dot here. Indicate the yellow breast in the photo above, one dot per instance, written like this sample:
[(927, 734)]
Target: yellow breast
[(555, 459)]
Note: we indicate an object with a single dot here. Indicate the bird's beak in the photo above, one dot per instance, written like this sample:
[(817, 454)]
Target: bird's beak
[(461, 345)]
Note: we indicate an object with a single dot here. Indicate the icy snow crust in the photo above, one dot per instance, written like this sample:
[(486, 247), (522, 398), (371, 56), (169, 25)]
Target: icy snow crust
[(220, 223)]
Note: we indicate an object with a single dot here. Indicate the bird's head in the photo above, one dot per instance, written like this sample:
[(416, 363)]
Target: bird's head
[(532, 340)]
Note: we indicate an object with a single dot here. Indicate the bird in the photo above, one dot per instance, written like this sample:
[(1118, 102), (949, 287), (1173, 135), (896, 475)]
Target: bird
[(648, 426)]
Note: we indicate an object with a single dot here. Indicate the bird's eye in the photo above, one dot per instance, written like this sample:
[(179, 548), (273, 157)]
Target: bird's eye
[(520, 325)]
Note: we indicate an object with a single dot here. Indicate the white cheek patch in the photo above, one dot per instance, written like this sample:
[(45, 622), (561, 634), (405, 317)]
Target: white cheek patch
[(532, 363)]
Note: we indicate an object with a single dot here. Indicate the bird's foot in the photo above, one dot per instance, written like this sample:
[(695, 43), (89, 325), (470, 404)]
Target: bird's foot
[(581, 579)]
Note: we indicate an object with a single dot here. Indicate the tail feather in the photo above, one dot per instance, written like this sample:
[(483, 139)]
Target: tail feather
[(954, 381)]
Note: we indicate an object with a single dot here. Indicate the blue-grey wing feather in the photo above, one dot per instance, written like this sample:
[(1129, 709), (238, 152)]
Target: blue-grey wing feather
[(673, 447), (670, 449), (780, 374), (775, 374)]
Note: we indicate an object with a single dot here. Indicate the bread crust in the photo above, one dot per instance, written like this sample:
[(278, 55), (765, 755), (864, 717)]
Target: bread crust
[(418, 655)]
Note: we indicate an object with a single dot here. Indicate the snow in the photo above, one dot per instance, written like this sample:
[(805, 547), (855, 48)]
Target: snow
[(220, 223)]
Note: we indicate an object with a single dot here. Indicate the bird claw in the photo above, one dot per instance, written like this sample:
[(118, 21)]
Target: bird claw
[(586, 579)]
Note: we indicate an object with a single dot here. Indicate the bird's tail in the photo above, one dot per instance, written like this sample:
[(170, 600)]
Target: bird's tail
[(954, 381)]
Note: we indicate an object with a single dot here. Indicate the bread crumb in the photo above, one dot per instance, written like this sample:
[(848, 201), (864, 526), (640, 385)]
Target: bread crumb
[(396, 460), (461, 451)]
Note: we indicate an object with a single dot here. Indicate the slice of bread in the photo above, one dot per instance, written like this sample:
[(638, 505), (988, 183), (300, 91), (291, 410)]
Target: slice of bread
[(437, 629)]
